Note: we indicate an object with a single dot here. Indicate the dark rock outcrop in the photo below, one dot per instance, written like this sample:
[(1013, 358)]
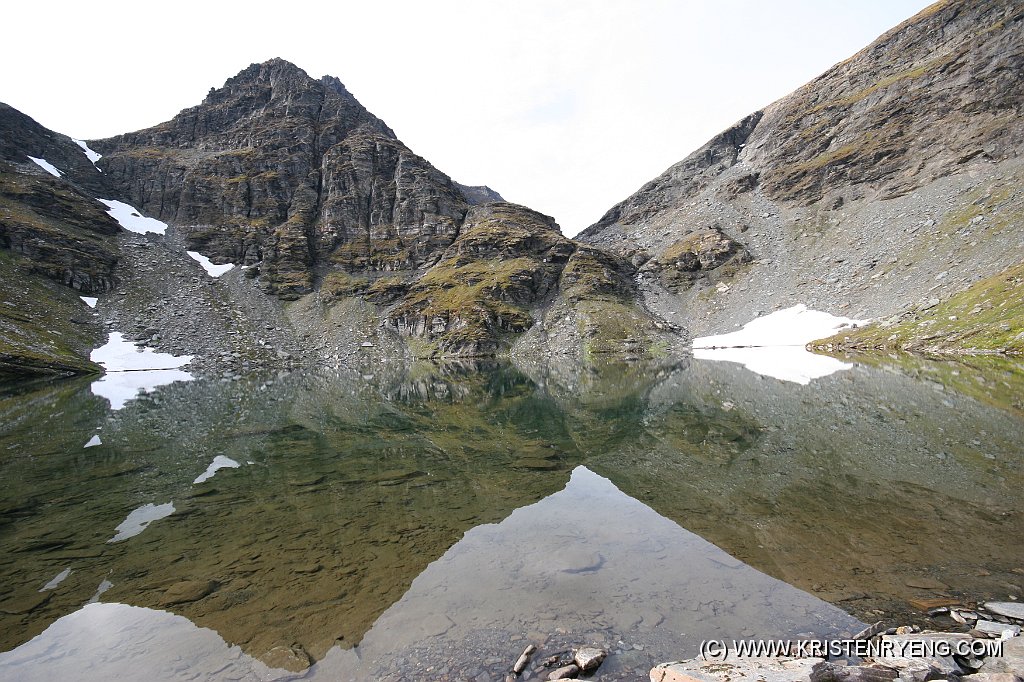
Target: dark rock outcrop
[(507, 261), (62, 233), (693, 256), (55, 222)]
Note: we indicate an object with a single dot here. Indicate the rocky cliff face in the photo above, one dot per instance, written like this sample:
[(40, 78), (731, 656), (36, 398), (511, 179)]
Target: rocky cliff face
[(291, 173), (890, 179), (56, 241)]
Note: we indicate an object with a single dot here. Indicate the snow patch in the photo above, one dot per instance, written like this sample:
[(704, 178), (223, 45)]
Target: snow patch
[(119, 355), (212, 269), (46, 166), (774, 345), (132, 370), (219, 462), (130, 218), (796, 326), (89, 154), (90, 301), (140, 519), (93, 442)]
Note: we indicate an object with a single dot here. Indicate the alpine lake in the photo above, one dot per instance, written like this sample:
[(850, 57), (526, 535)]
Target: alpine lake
[(427, 523)]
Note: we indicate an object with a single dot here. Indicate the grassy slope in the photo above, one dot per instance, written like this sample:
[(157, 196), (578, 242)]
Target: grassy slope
[(988, 317)]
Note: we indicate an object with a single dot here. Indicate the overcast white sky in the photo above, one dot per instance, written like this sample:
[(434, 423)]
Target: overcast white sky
[(565, 106)]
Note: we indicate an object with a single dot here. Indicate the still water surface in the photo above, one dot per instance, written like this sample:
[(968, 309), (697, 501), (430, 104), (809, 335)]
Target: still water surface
[(429, 524)]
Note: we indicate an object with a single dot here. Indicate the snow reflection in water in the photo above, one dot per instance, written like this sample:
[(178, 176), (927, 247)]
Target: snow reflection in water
[(132, 369)]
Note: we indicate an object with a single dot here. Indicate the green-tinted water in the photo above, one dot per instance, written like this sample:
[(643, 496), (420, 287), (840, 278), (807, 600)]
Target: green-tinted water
[(425, 526)]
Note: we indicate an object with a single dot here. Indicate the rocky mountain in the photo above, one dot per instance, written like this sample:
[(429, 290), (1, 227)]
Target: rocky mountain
[(358, 242), (291, 173), (890, 180), (881, 189)]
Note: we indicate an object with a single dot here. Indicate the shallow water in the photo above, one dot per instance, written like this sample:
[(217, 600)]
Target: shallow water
[(428, 525)]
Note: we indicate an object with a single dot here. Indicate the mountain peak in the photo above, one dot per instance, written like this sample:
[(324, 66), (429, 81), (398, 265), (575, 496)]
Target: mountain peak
[(290, 172), (274, 66)]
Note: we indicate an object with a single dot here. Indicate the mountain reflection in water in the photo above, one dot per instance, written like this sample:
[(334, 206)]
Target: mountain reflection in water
[(433, 507)]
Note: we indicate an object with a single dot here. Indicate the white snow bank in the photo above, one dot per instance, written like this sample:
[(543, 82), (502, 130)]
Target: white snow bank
[(46, 166), (132, 370), (93, 442), (119, 355), (140, 519), (89, 154), (131, 219), (211, 269), (90, 300), (219, 462), (773, 345), (796, 326), (788, 363)]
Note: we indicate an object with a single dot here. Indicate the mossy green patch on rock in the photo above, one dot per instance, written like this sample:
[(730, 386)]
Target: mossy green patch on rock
[(694, 256), (466, 308), (507, 262), (339, 284), (593, 274), (988, 317), (45, 329), (381, 290)]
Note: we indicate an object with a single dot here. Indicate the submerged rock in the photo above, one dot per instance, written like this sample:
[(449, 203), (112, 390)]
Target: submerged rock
[(292, 658), (589, 658), (564, 673), (188, 591)]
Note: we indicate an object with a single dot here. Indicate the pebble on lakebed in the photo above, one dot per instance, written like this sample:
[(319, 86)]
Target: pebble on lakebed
[(585, 659)]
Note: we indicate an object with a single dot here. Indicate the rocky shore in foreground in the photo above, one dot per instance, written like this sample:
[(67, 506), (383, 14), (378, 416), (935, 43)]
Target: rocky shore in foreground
[(903, 653)]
